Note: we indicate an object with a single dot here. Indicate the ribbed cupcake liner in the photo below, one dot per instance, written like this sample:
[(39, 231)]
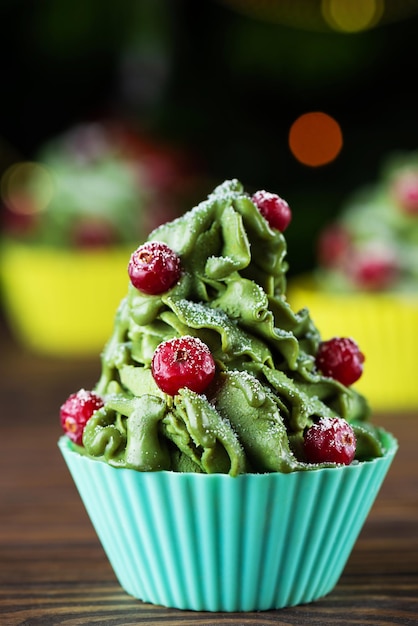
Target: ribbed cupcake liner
[(218, 543), (386, 328), (53, 286)]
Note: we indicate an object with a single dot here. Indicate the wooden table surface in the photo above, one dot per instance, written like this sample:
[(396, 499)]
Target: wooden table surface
[(52, 567)]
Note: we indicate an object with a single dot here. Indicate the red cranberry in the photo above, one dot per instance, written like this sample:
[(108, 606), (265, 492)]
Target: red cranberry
[(154, 268), (373, 270), (330, 440), (333, 245), (340, 358), (182, 362), (93, 233), (273, 208), (76, 411), (405, 192)]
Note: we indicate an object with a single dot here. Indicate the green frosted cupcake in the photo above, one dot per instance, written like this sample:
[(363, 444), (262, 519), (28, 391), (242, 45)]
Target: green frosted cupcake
[(224, 448)]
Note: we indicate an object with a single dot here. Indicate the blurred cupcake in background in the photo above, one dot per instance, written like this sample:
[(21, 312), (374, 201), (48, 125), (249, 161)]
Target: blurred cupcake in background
[(71, 219), (373, 246), (366, 281)]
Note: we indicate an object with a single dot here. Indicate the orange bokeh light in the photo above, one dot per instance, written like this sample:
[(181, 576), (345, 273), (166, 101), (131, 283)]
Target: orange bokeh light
[(315, 138), (26, 188)]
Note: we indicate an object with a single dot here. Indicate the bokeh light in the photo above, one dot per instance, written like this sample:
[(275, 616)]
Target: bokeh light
[(315, 138), (348, 16), (352, 16), (26, 188)]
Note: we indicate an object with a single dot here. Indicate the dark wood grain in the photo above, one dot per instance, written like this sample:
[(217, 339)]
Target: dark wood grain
[(53, 570)]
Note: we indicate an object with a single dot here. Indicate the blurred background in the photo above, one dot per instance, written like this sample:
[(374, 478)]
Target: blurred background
[(225, 80), (200, 91)]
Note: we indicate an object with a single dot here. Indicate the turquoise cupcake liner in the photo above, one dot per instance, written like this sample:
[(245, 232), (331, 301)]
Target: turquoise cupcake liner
[(218, 543)]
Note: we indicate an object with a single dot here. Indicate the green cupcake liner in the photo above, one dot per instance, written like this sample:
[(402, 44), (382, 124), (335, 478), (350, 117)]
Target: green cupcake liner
[(218, 543)]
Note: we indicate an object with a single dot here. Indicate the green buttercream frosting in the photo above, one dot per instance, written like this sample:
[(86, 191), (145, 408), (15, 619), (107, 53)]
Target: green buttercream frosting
[(266, 390)]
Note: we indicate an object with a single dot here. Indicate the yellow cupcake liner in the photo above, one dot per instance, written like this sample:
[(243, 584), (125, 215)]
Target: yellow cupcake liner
[(386, 328), (62, 302)]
